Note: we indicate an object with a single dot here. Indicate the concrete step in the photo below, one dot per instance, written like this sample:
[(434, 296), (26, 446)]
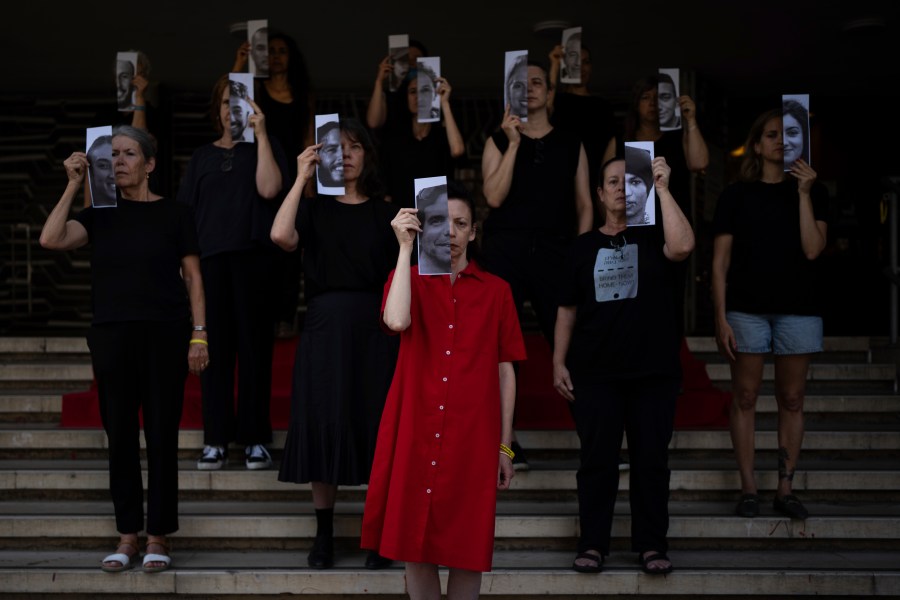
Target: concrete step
[(859, 343), (516, 574)]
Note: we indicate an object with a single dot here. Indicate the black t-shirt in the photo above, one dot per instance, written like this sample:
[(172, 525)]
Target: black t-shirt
[(541, 195), (590, 118), (769, 272), (220, 187), (404, 159), (626, 324), (288, 122), (136, 252), (346, 247), (671, 147)]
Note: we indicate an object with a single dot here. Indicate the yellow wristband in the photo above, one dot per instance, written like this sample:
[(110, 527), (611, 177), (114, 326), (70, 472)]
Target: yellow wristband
[(504, 449), (199, 341)]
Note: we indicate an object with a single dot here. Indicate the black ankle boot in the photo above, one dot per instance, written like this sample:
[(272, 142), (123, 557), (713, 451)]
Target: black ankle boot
[(322, 554)]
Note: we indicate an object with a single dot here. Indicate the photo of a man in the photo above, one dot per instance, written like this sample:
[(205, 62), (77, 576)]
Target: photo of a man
[(330, 171), (258, 36), (126, 68), (398, 50), (428, 101), (101, 175), (515, 88), (434, 240), (667, 99), (640, 193), (239, 108), (571, 64)]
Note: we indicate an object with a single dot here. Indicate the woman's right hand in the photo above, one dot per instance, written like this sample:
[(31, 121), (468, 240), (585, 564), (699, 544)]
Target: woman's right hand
[(725, 340), (307, 161), (563, 382), (384, 69), (405, 226), (556, 55), (76, 166), (510, 126), (240, 58)]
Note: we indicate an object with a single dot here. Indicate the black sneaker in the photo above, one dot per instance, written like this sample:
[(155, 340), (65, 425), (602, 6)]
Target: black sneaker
[(257, 457), (519, 461), (747, 506), (213, 458)]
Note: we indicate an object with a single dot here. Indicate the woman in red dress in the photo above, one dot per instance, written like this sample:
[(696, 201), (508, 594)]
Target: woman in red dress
[(433, 488)]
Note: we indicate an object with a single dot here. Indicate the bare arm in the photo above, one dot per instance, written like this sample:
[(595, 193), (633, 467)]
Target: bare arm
[(677, 231), (268, 175), (60, 232), (720, 263), (454, 137), (553, 76), (562, 337), (284, 227), (397, 306), (198, 354), (696, 153), (813, 234), (497, 168), (240, 58), (139, 116), (583, 207), (610, 152), (507, 409), (376, 112)]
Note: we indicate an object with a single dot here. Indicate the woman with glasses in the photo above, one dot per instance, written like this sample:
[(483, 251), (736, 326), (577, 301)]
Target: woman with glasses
[(233, 189)]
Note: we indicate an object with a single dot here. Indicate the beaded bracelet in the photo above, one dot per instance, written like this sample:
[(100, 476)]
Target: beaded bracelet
[(199, 341), (504, 449)]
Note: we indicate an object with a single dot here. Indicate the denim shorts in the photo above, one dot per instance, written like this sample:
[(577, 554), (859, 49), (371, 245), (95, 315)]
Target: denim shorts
[(781, 334)]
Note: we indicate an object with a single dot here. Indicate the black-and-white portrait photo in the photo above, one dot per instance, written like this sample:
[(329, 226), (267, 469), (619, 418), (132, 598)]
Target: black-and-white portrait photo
[(667, 91), (571, 63), (101, 174), (795, 132), (428, 69), (330, 170), (434, 240), (515, 83), (240, 86), (258, 36), (126, 69), (398, 49), (640, 192)]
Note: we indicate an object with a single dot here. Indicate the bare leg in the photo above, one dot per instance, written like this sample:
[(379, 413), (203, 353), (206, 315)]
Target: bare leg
[(463, 584), (790, 390), (323, 494), (422, 581), (746, 376)]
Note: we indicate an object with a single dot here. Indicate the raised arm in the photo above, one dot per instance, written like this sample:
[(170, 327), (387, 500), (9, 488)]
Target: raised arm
[(60, 232), (240, 58), (677, 231), (268, 175), (397, 306), (376, 112), (813, 234), (696, 154), (284, 227), (583, 207), (720, 263), (562, 337), (139, 116), (497, 168), (454, 137), (555, 56)]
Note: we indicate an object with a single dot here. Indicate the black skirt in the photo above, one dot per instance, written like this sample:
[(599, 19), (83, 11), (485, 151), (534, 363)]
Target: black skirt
[(342, 373)]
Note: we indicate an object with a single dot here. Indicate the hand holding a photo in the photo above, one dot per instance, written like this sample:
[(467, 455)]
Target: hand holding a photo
[(688, 110), (556, 56), (257, 119), (385, 67), (661, 173), (443, 91), (241, 57), (307, 162), (511, 125), (76, 166), (406, 224), (804, 174)]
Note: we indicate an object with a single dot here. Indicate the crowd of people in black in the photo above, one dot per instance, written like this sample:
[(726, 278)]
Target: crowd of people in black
[(407, 382)]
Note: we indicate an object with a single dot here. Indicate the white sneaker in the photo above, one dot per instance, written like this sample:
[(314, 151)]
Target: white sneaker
[(257, 457), (213, 459)]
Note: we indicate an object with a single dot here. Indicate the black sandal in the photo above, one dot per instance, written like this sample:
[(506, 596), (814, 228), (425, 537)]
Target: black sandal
[(595, 568), (654, 556)]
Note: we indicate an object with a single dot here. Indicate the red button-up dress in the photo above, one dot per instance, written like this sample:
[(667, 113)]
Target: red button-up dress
[(432, 493)]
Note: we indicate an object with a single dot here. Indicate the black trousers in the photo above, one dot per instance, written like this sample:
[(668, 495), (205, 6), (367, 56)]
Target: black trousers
[(644, 409), (240, 324), (141, 367)]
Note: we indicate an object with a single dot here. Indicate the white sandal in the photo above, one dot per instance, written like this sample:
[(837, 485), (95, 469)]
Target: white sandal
[(154, 558), (126, 561)]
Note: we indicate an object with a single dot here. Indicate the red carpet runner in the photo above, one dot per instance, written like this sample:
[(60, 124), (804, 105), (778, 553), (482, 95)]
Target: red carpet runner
[(539, 406)]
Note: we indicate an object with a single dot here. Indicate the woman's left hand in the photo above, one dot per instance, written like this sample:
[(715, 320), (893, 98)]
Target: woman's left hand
[(505, 472), (688, 109), (661, 172), (443, 89), (198, 358), (805, 175), (257, 119)]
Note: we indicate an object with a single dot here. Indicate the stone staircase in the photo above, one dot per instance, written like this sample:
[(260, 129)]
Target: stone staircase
[(245, 535)]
